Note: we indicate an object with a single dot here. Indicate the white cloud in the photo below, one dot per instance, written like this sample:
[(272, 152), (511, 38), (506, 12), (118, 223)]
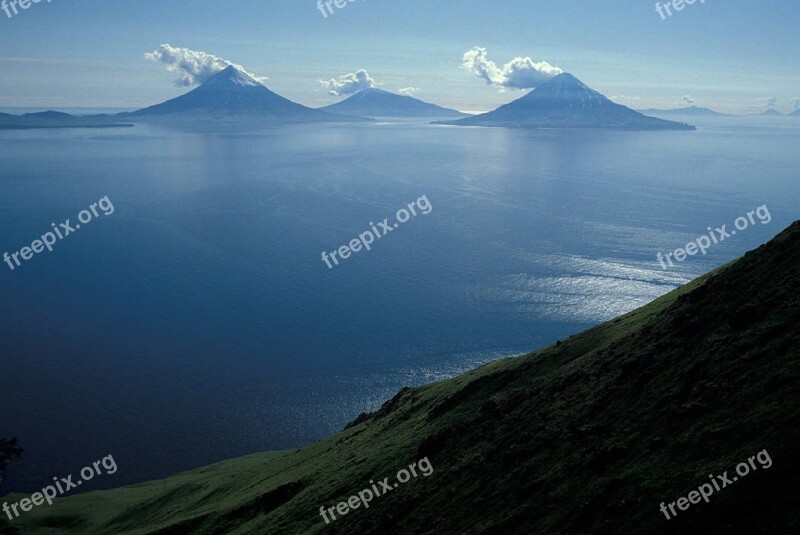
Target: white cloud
[(408, 91), (687, 100), (769, 102), (349, 83), (519, 73), (193, 67)]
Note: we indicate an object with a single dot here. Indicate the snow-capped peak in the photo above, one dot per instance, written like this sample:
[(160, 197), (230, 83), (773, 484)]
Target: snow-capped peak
[(232, 75)]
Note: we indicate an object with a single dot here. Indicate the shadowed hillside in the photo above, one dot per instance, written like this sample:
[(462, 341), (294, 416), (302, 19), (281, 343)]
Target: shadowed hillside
[(586, 436)]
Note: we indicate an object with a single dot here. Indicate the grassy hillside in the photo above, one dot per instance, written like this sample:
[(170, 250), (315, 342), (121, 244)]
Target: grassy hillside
[(586, 436)]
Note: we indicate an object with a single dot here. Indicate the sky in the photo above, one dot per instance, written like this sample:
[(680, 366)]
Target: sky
[(732, 55)]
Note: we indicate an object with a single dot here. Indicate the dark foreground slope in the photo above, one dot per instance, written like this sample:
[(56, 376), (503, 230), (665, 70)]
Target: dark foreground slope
[(586, 436)]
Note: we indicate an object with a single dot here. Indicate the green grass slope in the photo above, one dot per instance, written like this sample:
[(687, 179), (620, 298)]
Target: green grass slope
[(586, 436)]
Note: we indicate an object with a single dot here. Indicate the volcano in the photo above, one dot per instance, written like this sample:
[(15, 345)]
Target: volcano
[(566, 102), (235, 95), (375, 102)]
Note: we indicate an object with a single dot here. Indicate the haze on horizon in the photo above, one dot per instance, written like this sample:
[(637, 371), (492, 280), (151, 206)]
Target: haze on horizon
[(736, 56)]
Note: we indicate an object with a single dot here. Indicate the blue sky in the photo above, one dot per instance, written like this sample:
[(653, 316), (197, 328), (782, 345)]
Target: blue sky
[(727, 54)]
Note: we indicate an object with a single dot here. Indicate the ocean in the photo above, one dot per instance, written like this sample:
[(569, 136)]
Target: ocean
[(199, 321)]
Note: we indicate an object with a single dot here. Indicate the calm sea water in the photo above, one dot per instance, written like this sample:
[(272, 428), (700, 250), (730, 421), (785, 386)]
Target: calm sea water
[(198, 322)]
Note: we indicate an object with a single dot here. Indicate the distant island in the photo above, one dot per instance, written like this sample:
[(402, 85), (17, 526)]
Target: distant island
[(56, 119), (230, 96), (233, 96), (691, 110), (374, 102), (566, 102), (770, 112)]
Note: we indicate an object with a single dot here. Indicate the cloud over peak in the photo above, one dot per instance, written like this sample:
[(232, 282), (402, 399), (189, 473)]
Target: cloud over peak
[(769, 102), (349, 84), (193, 67), (519, 73)]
